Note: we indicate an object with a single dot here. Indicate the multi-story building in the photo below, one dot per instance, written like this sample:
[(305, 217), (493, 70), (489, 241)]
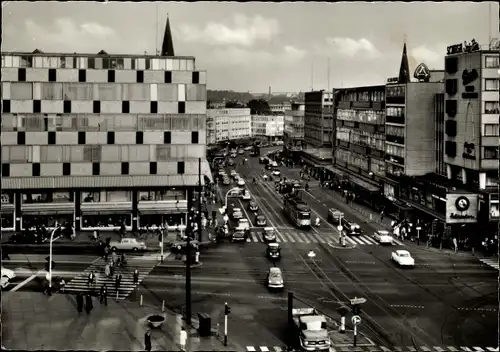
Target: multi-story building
[(230, 124), (211, 140), (360, 139), (99, 140), (280, 108), (293, 135), (269, 127)]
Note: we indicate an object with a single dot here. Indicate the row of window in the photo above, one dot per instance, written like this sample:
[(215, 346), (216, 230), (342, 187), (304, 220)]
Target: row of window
[(102, 122), (395, 131), (490, 153), (377, 167), (372, 140), (99, 153), (393, 111), (170, 64), (354, 159), (491, 130), (394, 169), (375, 96), (491, 107), (395, 150), (491, 61), (491, 84), (105, 91), (396, 91), (366, 116)]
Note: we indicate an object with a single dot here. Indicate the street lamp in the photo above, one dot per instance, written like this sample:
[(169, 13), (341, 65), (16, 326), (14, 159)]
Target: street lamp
[(216, 158), (227, 194), (58, 227)]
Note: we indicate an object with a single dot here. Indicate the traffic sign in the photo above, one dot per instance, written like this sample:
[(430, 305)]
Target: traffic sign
[(311, 254), (356, 319), (340, 227), (419, 228), (357, 300)]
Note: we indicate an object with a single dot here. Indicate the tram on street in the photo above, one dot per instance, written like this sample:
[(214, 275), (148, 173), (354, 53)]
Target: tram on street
[(297, 211)]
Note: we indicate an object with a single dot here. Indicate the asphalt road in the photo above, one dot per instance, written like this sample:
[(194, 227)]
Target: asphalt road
[(444, 301)]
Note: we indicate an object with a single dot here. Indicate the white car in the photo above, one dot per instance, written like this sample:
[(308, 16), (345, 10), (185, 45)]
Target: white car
[(233, 172), (276, 172), (243, 224), (403, 259), (237, 214), (275, 278), (128, 244), (4, 282), (234, 193), (383, 237), (7, 273), (241, 182), (246, 196)]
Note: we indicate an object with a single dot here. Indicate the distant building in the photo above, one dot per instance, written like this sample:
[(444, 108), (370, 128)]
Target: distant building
[(229, 124), (100, 140), (268, 126), (293, 134), (280, 108)]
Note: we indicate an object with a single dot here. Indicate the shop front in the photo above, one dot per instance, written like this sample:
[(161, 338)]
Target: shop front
[(8, 212), (106, 210), (316, 160), (48, 208), (162, 207)]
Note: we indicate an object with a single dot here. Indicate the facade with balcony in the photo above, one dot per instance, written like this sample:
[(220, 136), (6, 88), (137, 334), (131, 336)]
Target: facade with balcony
[(293, 134)]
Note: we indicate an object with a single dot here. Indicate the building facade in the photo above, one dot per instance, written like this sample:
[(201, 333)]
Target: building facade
[(318, 119), (293, 135), (280, 108), (230, 124), (100, 140), (360, 139), (268, 127)]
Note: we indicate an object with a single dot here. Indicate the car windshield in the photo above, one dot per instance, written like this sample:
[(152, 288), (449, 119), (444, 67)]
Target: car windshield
[(404, 255), (275, 276), (304, 216)]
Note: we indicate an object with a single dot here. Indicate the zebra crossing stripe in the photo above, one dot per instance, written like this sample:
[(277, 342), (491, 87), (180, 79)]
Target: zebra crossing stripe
[(318, 238), (254, 237), (303, 237), (249, 239), (397, 242), (290, 238), (363, 240), (279, 238), (490, 262), (349, 239), (259, 237)]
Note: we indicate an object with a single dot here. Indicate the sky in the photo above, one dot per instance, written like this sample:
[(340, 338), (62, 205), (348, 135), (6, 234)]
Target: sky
[(249, 47)]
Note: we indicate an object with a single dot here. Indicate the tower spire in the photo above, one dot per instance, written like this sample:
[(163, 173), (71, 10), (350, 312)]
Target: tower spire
[(167, 48), (404, 69)]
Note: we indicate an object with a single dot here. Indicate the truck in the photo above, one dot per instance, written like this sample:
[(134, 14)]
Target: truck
[(311, 329)]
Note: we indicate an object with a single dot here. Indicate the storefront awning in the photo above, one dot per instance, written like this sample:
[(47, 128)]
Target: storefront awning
[(426, 210), (106, 208), (69, 182), (335, 170), (364, 184), (47, 208), (163, 207)]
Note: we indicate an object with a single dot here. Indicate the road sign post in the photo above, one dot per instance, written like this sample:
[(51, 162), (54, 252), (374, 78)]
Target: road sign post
[(356, 320), (343, 310)]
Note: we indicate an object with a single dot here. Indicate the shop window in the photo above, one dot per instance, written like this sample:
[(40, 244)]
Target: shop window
[(91, 197), (106, 220), (47, 197)]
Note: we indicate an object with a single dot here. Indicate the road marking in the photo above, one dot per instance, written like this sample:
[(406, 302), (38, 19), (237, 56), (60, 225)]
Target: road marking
[(479, 309), (406, 306), (245, 211), (31, 278), (358, 262)]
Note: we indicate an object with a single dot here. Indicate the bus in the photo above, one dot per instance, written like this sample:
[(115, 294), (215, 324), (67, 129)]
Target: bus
[(297, 211), (255, 150)]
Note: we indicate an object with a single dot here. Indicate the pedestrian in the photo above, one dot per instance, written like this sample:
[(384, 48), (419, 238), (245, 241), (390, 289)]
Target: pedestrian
[(106, 253), (118, 280), (136, 276), (122, 260), (79, 302), (104, 295), (111, 268), (61, 285), (147, 340), (114, 257), (455, 244), (88, 303), (107, 270), (382, 215), (182, 339), (91, 278)]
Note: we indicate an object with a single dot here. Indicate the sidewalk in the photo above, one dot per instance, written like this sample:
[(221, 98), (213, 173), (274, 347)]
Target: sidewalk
[(32, 321)]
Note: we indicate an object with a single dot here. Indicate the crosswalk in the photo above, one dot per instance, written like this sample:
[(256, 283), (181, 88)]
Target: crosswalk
[(375, 348), (80, 282), (493, 262), (295, 236)]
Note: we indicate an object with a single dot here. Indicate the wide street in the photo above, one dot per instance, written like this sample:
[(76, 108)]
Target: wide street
[(446, 300)]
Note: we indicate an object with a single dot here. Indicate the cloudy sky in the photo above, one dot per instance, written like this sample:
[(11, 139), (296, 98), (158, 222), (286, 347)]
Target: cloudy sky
[(251, 46)]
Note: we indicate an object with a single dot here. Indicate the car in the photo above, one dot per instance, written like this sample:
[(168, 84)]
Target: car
[(180, 246), (222, 172), (243, 224), (239, 235), (262, 159), (128, 244), (4, 282), (247, 148), (233, 155), (246, 195), (237, 214), (273, 251), (253, 206), (233, 172), (235, 192), (241, 182), (350, 228), (230, 162), (334, 215), (269, 234), (241, 152), (226, 181), (8, 274), (235, 176), (383, 237), (276, 172), (260, 220), (275, 279), (403, 259)]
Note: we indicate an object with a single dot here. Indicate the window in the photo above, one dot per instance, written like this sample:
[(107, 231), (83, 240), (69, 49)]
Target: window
[(394, 150), (492, 61), (180, 123), (395, 131), (491, 107), (26, 61), (92, 153), (91, 63), (118, 196), (51, 154), (21, 91), (196, 92), (110, 92), (138, 153), (111, 153), (126, 122), (52, 91), (162, 152), (77, 91), (9, 122), (137, 92), (490, 152), (18, 154), (491, 130), (395, 111), (33, 123), (167, 92), (491, 84)]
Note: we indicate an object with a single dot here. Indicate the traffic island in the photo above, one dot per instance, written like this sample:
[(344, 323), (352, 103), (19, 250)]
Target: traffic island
[(346, 339), (339, 246)]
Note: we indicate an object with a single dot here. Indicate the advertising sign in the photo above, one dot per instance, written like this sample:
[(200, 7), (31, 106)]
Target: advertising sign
[(422, 73), (461, 208)]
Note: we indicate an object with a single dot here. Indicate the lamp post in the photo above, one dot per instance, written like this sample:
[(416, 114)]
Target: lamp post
[(50, 253), (216, 158), (227, 194)]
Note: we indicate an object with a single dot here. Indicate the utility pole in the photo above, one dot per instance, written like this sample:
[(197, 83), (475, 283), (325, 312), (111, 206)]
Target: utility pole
[(189, 230), (290, 321), (227, 310), (199, 200)]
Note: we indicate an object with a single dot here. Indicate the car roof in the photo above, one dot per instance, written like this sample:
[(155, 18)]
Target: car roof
[(260, 216), (243, 220), (383, 232), (402, 251), (275, 270), (275, 245), (268, 228), (236, 209)]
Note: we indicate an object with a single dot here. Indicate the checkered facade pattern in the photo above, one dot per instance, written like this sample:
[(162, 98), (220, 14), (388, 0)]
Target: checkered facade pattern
[(100, 115)]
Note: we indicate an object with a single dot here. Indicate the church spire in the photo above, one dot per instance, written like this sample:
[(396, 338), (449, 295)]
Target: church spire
[(404, 69), (167, 48)]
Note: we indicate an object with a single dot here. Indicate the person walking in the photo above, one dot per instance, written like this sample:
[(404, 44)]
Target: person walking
[(122, 260), (106, 253), (136, 276), (88, 303), (104, 295), (91, 278), (79, 302), (183, 339), (111, 268), (382, 213), (118, 280), (107, 270), (147, 340)]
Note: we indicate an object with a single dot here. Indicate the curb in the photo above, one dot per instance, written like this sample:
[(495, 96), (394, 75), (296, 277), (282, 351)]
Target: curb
[(193, 266)]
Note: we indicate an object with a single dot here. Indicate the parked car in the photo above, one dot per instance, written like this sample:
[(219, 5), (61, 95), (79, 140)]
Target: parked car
[(246, 195), (180, 246), (233, 172), (237, 214), (243, 224), (128, 244), (241, 182)]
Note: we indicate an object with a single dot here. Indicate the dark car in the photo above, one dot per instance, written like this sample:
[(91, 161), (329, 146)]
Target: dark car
[(260, 220), (180, 246), (230, 162), (226, 181), (273, 251), (252, 206), (239, 236), (350, 228), (26, 237)]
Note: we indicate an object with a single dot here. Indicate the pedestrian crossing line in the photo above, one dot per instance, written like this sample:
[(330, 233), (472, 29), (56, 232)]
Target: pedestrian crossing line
[(290, 238), (254, 236), (260, 237), (490, 262), (375, 348), (319, 238), (80, 282), (303, 237)]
